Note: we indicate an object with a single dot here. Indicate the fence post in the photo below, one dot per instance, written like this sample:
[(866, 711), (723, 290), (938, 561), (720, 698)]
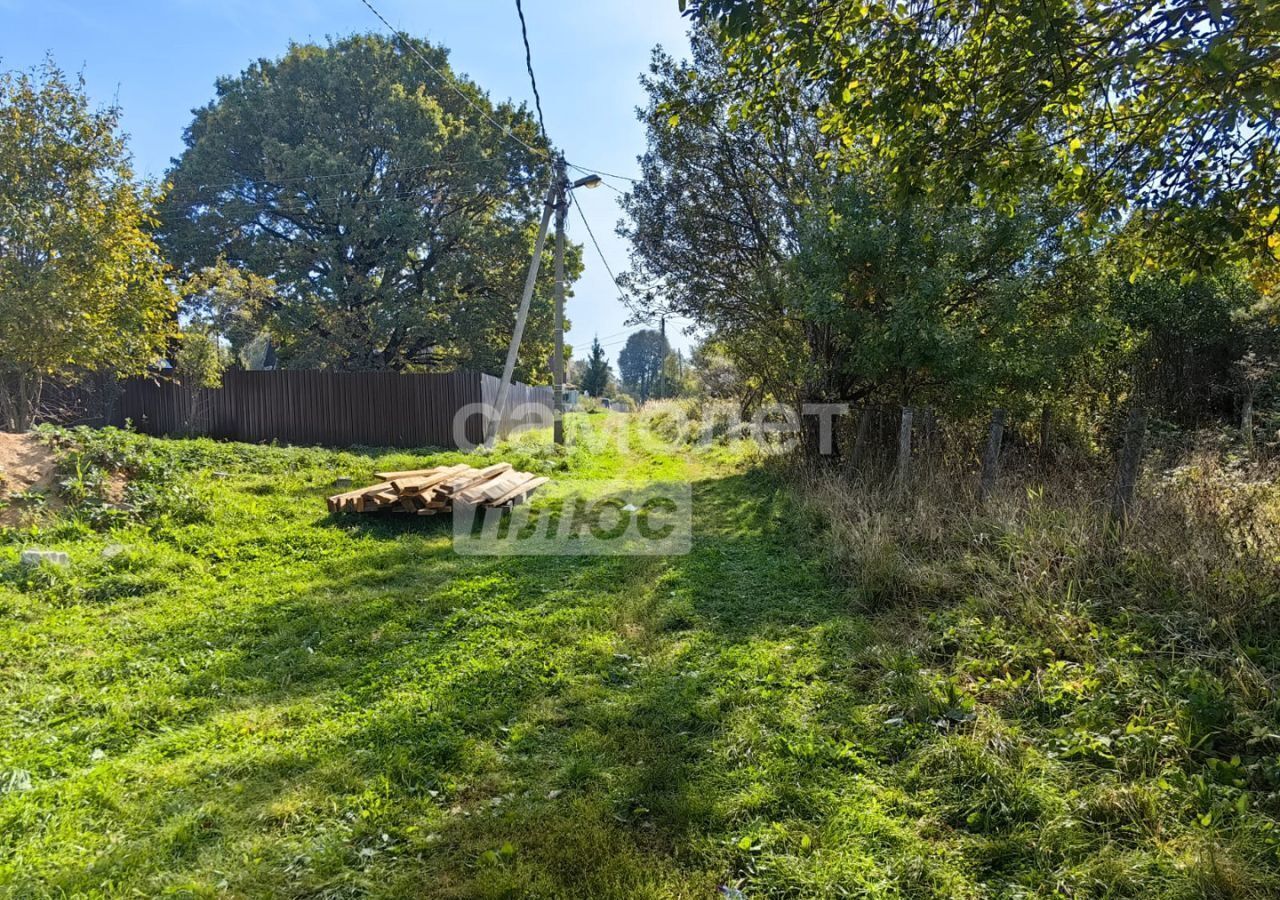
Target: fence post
[(1246, 416), (1130, 463), (991, 455), (1046, 431), (902, 472), (859, 451)]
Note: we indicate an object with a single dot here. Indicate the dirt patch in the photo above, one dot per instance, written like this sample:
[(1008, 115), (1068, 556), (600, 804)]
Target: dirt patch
[(26, 478)]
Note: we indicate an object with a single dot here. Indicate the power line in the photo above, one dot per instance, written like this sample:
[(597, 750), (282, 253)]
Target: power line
[(528, 64), (616, 190), (409, 42), (599, 252), (441, 165), (448, 80), (605, 174)]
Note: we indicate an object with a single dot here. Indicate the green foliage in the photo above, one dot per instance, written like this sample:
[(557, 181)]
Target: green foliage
[(230, 303), (1182, 340), (199, 360), (82, 285), (712, 224), (837, 287), (641, 360), (676, 379), (596, 373), (109, 477), (396, 220), (913, 302), (625, 402), (851, 283), (714, 374), (1170, 109)]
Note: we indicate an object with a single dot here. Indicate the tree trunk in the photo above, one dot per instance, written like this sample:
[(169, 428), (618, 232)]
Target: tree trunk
[(928, 429), (991, 455), (1246, 417), (881, 443), (8, 401), (746, 406), (811, 441), (110, 390), (1130, 464), (902, 471), (21, 400), (858, 455)]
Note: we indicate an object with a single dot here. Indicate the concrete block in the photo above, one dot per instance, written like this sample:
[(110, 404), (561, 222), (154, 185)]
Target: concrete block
[(52, 557)]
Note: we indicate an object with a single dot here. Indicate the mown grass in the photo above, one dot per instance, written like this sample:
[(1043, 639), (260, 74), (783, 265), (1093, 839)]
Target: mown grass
[(232, 694)]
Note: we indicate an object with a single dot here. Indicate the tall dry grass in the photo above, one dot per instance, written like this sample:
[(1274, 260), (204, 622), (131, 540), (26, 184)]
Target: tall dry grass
[(1204, 536), (1103, 701)]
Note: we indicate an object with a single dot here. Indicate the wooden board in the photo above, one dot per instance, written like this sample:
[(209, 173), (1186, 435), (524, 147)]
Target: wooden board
[(519, 493), (462, 482), (411, 473), (413, 483), (495, 486), (426, 492)]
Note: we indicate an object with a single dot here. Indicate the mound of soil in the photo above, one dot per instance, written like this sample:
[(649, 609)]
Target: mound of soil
[(26, 465)]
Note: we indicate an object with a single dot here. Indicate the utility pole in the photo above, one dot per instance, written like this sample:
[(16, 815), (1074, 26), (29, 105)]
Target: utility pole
[(662, 366), (557, 362), (558, 202), (508, 370)]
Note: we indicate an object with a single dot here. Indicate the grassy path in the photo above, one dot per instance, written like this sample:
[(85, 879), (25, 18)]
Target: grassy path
[(272, 703), (242, 697)]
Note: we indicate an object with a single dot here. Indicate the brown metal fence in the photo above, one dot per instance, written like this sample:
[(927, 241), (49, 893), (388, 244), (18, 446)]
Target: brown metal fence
[(527, 407), (383, 409)]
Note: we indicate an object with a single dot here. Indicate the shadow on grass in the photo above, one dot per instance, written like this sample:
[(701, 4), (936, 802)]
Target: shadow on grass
[(534, 725)]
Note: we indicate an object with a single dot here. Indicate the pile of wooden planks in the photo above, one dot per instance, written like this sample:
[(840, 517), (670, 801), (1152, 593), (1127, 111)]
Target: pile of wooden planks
[(425, 492)]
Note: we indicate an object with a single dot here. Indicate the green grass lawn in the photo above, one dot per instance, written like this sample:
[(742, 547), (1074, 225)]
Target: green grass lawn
[(238, 695)]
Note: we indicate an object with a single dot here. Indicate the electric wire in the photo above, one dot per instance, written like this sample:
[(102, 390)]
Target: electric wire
[(528, 64), (467, 165), (409, 42), (605, 174), (612, 277)]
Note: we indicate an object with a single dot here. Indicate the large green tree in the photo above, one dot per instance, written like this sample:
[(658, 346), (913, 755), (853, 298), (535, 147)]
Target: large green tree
[(82, 284), (1170, 106), (640, 362), (835, 286), (391, 202), (714, 221)]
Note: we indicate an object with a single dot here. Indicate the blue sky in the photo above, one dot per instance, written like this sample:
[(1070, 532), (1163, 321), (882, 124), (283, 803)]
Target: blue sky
[(160, 59)]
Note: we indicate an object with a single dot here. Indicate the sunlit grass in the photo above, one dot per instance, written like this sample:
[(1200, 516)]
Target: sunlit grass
[(245, 697)]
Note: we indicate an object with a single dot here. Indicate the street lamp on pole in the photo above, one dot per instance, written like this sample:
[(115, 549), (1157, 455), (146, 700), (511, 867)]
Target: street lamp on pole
[(557, 368), (557, 202)]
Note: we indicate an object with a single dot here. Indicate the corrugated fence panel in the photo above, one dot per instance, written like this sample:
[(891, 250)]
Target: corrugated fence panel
[(527, 407), (384, 409)]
